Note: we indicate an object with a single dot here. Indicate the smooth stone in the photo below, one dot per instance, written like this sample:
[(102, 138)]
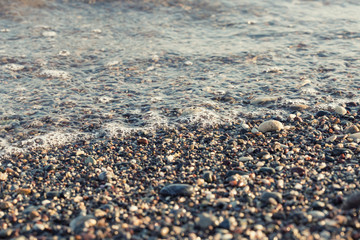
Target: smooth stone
[(265, 197), (205, 220), (299, 170), (81, 222), (355, 136), (246, 159), (105, 176), (3, 176), (229, 223), (299, 107), (267, 170), (353, 201), (270, 126), (263, 100), (316, 214), (177, 189), (318, 205), (5, 233), (234, 172), (322, 113), (352, 129), (208, 176), (53, 194), (340, 110), (90, 160), (39, 227)]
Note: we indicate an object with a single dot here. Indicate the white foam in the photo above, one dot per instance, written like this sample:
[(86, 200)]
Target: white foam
[(47, 140), (55, 74), (204, 117), (13, 67)]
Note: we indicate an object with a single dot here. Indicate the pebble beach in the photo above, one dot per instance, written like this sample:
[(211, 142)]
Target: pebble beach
[(296, 178), (179, 119)]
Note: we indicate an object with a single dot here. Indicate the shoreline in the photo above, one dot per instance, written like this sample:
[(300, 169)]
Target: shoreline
[(235, 183)]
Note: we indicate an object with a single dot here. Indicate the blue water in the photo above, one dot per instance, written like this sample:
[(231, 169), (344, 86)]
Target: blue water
[(78, 70)]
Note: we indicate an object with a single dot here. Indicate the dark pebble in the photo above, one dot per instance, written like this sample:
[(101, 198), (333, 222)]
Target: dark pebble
[(177, 190), (322, 113), (267, 195), (298, 170), (267, 170)]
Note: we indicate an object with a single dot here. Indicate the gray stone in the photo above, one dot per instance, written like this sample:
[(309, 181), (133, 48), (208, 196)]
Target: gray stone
[(177, 190), (205, 220), (208, 176), (81, 222), (266, 196), (316, 214)]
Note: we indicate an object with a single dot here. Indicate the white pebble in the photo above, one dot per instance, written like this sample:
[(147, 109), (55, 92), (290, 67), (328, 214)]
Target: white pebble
[(270, 125), (49, 34), (340, 110), (133, 208), (64, 53)]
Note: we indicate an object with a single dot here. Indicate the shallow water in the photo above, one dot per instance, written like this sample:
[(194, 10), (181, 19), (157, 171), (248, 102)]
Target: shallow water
[(73, 69)]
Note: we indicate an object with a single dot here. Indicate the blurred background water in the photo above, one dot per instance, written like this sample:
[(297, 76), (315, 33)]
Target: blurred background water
[(73, 69)]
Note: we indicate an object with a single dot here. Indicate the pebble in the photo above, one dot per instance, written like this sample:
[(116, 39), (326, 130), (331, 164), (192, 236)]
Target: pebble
[(340, 110), (355, 136), (229, 223), (299, 107), (208, 176), (177, 190), (90, 160), (3, 176), (353, 201), (81, 222), (267, 170), (352, 129), (316, 214), (270, 126), (263, 100), (49, 34), (268, 195), (205, 220)]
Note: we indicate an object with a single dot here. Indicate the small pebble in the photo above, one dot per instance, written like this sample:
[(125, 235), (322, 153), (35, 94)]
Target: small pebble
[(177, 190), (270, 126)]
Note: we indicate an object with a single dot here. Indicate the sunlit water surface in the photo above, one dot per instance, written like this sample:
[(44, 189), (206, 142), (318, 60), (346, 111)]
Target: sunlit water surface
[(76, 70)]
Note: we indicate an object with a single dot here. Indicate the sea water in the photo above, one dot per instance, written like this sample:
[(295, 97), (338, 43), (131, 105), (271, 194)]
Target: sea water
[(70, 69)]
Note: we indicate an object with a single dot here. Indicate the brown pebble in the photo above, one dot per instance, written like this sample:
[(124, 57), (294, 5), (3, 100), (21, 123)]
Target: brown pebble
[(34, 214), (25, 191), (143, 141), (298, 170)]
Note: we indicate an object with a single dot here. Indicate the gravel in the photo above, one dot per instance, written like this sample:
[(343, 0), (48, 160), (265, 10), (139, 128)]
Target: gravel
[(190, 182)]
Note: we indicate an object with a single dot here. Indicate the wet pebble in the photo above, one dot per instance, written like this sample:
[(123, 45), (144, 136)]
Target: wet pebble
[(208, 176), (266, 196), (340, 110), (205, 220), (177, 190), (270, 126)]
